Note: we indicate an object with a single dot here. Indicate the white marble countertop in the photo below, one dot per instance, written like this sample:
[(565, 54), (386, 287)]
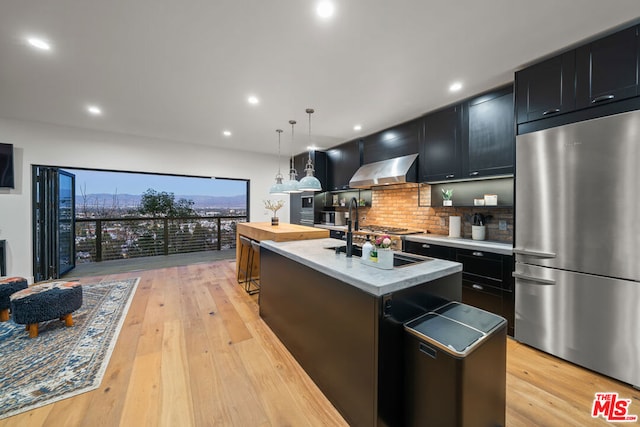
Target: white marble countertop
[(457, 242), (332, 227), (313, 254), (454, 242)]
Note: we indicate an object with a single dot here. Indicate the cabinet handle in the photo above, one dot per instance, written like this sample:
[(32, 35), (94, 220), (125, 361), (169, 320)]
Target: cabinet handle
[(602, 98), (450, 176), (477, 253), (478, 287), (474, 173), (424, 245), (555, 110)]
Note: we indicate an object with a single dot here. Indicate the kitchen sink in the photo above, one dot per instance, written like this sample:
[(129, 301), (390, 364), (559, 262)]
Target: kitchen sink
[(400, 259)]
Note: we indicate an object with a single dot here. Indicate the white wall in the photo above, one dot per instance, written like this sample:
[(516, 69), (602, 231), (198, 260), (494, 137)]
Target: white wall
[(43, 144)]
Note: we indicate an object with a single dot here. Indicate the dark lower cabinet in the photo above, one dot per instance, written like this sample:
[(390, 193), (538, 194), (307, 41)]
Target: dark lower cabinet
[(430, 250), (489, 298), (337, 234), (486, 277)]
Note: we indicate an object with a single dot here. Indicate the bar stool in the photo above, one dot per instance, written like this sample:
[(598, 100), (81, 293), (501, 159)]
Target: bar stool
[(245, 251), (253, 279)]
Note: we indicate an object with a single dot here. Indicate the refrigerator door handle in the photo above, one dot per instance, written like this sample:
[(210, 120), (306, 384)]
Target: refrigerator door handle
[(534, 253), (533, 279)]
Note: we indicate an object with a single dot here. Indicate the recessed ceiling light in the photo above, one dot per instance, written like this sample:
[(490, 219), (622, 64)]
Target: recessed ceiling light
[(253, 100), (357, 127), (94, 110), (325, 9), (455, 87), (39, 43), (226, 133)]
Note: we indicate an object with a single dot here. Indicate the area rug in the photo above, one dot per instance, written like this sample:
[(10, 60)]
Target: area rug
[(62, 362)]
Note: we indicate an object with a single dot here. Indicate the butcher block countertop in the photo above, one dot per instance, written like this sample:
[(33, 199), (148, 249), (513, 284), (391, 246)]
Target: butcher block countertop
[(261, 231), (283, 232)]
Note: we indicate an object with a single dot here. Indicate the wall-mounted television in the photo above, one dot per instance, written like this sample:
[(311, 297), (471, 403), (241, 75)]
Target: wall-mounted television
[(6, 165)]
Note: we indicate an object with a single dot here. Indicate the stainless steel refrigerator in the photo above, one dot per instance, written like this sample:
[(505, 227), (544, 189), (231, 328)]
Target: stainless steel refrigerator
[(577, 243)]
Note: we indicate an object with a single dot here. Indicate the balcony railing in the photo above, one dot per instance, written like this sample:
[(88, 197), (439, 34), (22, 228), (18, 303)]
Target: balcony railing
[(120, 238)]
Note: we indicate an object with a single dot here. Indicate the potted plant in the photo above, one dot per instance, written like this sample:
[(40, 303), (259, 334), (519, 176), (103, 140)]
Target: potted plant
[(274, 207), (447, 196)]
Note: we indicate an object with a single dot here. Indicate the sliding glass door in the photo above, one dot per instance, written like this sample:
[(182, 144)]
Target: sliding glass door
[(53, 222)]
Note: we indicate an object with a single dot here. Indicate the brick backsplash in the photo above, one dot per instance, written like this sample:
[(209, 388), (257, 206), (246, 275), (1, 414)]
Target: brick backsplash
[(397, 206)]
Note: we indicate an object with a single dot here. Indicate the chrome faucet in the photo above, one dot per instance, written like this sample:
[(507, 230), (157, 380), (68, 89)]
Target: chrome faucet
[(352, 202)]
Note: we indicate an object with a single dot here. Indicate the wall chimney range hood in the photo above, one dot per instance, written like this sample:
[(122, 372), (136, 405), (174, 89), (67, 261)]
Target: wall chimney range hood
[(392, 171)]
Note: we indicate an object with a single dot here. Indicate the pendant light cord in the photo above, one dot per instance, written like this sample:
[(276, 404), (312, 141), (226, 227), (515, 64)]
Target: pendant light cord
[(279, 158), (292, 167), (309, 111)]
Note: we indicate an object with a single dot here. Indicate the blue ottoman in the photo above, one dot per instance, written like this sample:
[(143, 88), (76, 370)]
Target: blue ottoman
[(8, 286), (46, 301)]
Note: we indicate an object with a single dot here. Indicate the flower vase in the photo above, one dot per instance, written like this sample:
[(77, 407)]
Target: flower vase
[(385, 259), (274, 221)]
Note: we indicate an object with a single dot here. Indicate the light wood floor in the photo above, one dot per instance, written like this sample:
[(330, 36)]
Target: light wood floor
[(194, 352)]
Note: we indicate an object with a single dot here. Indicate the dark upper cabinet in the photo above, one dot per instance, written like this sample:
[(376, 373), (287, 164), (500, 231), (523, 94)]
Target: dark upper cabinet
[(607, 69), (397, 141), (440, 145), (546, 89), (342, 162), (319, 160), (488, 146), (299, 163)]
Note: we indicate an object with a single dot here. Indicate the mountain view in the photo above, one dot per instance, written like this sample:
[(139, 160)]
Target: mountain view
[(133, 200)]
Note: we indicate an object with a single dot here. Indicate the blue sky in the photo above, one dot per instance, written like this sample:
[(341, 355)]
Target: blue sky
[(138, 183)]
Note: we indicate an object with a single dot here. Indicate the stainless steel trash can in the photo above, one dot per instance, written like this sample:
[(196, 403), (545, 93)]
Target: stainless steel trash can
[(455, 368)]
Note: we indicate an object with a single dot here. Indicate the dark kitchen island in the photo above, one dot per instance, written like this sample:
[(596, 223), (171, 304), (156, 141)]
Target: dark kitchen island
[(343, 320)]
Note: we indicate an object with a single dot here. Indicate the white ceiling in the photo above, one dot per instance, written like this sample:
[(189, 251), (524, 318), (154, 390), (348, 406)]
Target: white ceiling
[(182, 70)]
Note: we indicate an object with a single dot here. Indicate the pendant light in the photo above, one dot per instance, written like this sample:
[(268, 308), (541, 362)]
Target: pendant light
[(292, 185), (310, 182), (278, 188)]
